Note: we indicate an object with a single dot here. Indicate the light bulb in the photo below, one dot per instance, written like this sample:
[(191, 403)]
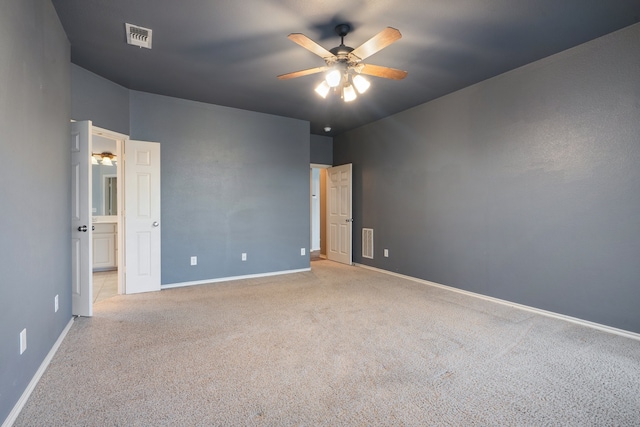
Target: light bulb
[(361, 83), (333, 78), (323, 89), (106, 161), (349, 94)]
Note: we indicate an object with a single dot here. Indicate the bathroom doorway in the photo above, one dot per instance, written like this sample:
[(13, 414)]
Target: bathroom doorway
[(106, 203)]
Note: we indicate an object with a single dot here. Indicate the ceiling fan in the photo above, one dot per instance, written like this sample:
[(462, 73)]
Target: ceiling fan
[(344, 66)]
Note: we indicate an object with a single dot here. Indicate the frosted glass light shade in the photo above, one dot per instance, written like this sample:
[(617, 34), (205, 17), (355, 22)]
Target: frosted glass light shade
[(333, 78), (94, 161), (106, 161), (349, 94), (361, 83), (323, 89)]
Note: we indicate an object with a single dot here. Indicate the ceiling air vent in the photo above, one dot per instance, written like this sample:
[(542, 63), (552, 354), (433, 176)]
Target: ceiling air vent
[(138, 36)]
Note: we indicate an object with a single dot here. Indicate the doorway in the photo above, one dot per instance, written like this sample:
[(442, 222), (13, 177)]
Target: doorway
[(318, 208), (106, 203)]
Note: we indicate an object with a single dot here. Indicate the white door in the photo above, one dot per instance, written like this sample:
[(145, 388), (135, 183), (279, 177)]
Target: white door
[(339, 220), (81, 226), (142, 216)]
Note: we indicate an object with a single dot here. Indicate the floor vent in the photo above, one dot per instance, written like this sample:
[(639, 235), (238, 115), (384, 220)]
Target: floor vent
[(367, 243), (138, 36)]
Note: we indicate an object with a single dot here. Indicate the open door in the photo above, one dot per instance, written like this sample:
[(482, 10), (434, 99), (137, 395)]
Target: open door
[(339, 220), (142, 216), (81, 224)]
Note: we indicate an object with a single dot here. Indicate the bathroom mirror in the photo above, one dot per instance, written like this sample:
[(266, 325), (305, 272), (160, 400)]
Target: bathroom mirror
[(104, 200), (110, 190)]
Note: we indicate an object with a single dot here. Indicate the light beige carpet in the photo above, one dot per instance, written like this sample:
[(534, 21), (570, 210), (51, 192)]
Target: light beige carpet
[(335, 346)]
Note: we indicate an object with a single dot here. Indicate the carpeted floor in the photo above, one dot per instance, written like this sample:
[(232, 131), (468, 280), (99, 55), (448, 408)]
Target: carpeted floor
[(335, 346)]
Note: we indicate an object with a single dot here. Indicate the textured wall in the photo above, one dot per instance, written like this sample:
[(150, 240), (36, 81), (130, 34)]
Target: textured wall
[(97, 99), (233, 181), (321, 150), (524, 187), (35, 190)]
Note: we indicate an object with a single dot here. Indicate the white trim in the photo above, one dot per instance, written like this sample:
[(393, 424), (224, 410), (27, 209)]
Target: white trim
[(13, 415), (228, 279), (598, 326), (109, 134), (318, 166)]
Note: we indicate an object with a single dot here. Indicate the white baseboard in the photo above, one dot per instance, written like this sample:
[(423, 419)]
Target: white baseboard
[(228, 279), (605, 328), (13, 415)]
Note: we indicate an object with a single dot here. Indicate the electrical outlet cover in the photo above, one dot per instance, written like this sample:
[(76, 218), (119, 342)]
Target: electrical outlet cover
[(23, 340)]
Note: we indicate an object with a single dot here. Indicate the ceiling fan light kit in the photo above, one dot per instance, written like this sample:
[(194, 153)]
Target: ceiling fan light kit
[(323, 89), (344, 64), (361, 83)]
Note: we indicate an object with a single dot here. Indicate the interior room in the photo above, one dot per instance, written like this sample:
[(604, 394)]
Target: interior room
[(446, 234)]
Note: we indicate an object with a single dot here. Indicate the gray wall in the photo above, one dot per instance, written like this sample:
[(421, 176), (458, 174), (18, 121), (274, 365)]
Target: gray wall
[(233, 181), (35, 260), (524, 187), (97, 99), (321, 150)]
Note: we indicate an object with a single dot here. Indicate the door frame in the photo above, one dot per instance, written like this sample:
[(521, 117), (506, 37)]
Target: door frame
[(120, 140), (323, 213)]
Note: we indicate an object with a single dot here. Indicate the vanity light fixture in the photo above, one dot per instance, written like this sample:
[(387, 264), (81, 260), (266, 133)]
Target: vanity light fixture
[(106, 158)]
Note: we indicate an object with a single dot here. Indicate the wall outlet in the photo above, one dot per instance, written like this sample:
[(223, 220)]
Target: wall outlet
[(194, 260), (244, 256), (23, 340), (303, 251), (55, 304), (386, 253)]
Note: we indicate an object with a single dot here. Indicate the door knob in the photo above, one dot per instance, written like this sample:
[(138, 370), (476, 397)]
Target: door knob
[(82, 228), (155, 223)]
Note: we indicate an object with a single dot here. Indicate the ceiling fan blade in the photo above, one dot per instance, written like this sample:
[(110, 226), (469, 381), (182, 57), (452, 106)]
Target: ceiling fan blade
[(302, 73), (384, 72), (376, 43), (310, 45)]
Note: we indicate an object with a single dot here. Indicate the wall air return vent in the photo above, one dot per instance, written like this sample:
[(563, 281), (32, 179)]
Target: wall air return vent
[(367, 243), (138, 36)]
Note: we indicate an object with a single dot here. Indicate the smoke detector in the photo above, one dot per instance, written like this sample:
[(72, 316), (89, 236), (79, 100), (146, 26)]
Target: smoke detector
[(138, 36)]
